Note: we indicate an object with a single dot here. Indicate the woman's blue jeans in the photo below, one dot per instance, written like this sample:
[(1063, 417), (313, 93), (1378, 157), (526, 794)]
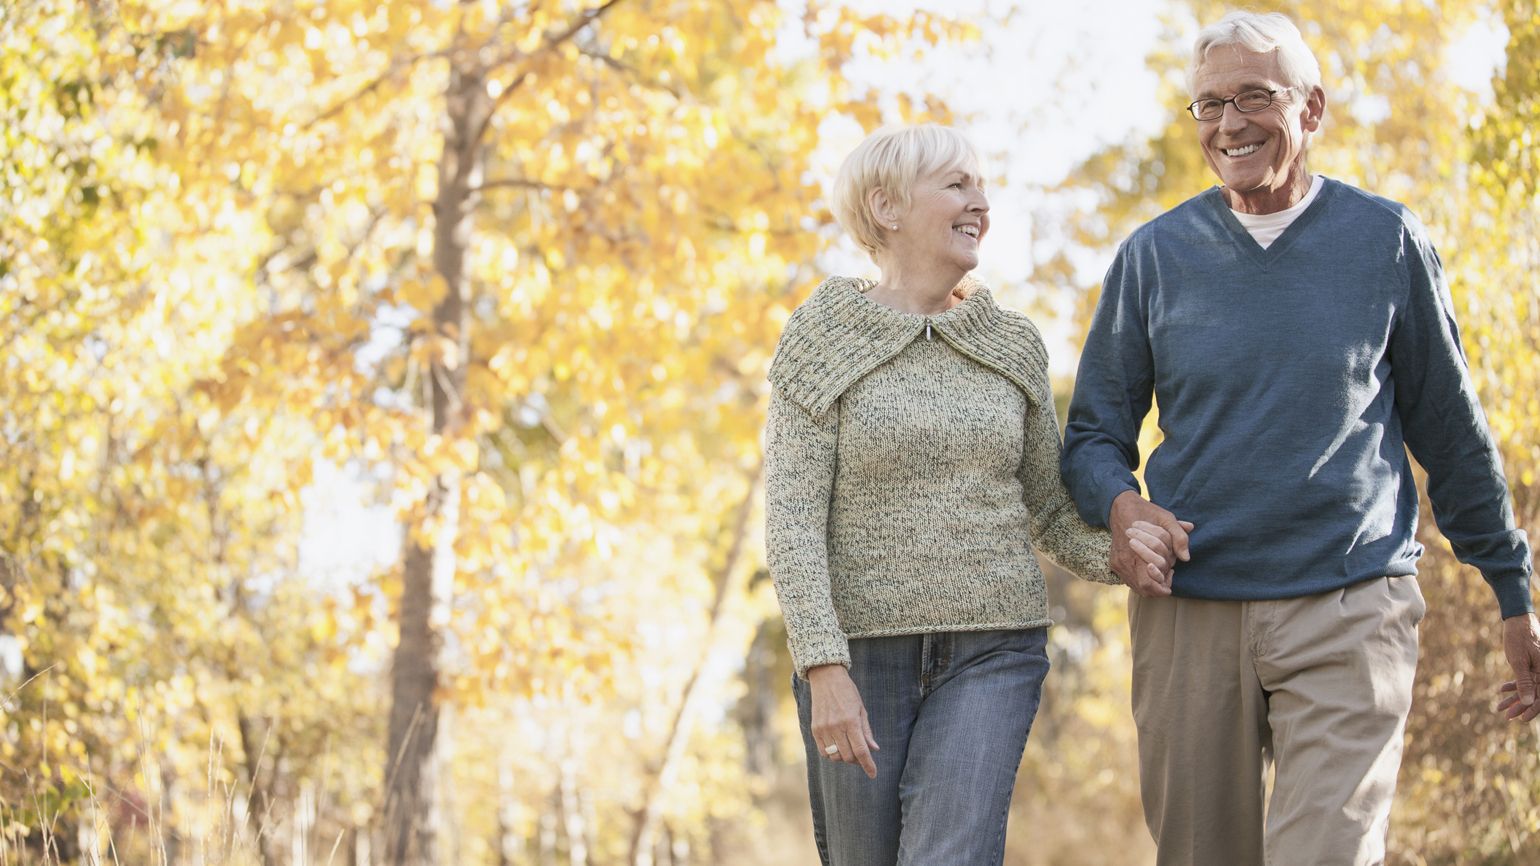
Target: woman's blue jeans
[(951, 712)]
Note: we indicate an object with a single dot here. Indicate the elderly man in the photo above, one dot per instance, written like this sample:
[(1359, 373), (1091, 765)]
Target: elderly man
[(1297, 333)]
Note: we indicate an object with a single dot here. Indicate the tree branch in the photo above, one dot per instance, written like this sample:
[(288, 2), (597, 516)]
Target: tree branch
[(722, 222), (583, 20), (308, 260), (519, 183), (635, 74), (578, 24), (724, 585), (396, 65)]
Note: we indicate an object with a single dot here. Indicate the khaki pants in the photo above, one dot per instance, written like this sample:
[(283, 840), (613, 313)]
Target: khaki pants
[(1319, 686)]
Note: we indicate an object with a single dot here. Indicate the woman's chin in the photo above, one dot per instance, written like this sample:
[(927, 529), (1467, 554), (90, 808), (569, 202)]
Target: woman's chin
[(967, 262)]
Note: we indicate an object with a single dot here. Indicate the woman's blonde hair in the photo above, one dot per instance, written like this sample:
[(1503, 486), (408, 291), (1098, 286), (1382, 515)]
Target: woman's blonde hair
[(891, 159)]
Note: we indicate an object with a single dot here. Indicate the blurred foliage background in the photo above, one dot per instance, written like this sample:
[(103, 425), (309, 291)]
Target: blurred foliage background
[(515, 271)]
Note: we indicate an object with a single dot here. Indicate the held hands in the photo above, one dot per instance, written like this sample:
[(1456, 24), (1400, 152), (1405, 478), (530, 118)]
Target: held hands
[(1147, 542), (1521, 644), (839, 718)]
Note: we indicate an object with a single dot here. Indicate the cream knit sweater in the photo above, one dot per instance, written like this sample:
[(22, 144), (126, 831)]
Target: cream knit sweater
[(912, 464)]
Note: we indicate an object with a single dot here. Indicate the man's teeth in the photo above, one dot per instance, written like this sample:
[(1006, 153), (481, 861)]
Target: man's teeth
[(1242, 151), (970, 231)]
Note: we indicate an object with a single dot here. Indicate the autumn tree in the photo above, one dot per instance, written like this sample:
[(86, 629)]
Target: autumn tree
[(1471, 789), (522, 266)]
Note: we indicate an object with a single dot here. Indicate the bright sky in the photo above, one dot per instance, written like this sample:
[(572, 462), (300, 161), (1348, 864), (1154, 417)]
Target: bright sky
[(1053, 85)]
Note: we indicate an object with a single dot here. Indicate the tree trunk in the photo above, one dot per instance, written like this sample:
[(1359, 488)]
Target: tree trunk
[(546, 841), (160, 818), (507, 834), (573, 825), (757, 709), (10, 644), (259, 785), (428, 564), (644, 837), (302, 826)]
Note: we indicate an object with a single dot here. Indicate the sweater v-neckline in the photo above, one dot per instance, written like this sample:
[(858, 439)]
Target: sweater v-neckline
[(1264, 257)]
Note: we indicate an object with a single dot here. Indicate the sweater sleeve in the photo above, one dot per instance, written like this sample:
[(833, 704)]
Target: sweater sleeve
[(1056, 528), (1447, 432), (799, 479), (1113, 390)]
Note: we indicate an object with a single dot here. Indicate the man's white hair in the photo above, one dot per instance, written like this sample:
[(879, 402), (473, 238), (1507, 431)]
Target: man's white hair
[(1263, 34), (891, 159)]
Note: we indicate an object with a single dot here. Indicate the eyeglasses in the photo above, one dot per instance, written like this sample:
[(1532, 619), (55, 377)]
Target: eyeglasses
[(1246, 101)]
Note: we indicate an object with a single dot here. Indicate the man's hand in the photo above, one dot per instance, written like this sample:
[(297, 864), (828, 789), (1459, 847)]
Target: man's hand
[(839, 718), (1144, 534), (1521, 644)]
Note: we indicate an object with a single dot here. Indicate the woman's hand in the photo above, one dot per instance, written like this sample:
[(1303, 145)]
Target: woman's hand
[(1147, 542), (839, 718), (1153, 545)]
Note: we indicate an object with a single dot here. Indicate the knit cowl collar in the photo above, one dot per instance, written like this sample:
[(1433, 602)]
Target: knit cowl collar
[(839, 335)]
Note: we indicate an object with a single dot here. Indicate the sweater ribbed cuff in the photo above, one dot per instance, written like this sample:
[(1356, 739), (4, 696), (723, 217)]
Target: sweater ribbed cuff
[(827, 654), (1513, 598)]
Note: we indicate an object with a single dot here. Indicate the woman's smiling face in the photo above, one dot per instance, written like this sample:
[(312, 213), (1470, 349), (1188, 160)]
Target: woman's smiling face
[(947, 218)]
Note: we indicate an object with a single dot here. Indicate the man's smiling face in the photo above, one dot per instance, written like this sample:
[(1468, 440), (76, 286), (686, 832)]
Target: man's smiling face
[(1258, 155)]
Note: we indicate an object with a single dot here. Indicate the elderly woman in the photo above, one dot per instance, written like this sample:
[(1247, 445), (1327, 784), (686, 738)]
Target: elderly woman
[(912, 468)]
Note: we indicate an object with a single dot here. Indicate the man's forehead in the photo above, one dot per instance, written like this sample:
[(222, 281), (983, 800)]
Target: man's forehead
[(1226, 67)]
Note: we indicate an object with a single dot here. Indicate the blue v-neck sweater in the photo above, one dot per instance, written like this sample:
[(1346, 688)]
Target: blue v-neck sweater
[(1291, 382)]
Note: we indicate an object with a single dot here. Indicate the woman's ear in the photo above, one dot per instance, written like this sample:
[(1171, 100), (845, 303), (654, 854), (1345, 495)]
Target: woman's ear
[(883, 209)]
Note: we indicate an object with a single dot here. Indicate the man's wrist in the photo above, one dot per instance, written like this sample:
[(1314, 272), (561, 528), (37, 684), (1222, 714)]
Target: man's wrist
[(1122, 496)]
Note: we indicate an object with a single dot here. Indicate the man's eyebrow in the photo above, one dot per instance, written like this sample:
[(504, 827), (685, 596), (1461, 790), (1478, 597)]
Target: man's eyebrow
[(1240, 88)]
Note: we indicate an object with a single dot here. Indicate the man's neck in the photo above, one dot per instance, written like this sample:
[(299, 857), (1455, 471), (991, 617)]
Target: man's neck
[(1266, 201)]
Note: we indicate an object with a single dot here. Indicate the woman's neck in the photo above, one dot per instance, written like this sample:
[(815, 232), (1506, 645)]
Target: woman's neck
[(922, 293)]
